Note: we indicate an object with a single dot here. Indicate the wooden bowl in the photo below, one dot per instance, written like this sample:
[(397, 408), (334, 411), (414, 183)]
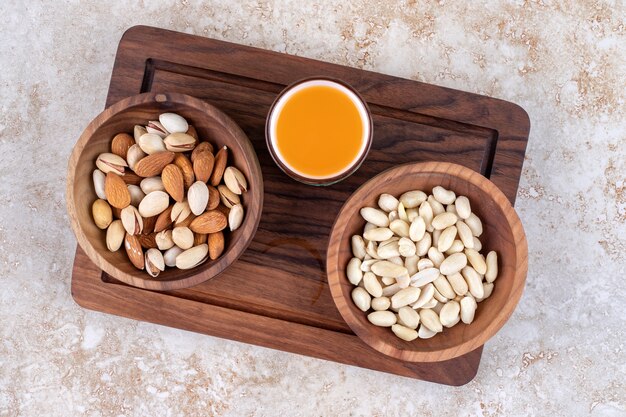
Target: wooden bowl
[(211, 124), (503, 233)]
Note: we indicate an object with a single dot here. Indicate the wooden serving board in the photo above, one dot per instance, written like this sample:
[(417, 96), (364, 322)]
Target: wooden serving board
[(276, 295)]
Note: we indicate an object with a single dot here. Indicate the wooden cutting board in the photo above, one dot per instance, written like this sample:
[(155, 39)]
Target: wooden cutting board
[(276, 295)]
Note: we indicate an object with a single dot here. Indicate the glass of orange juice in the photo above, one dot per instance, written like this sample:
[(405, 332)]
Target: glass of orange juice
[(319, 130)]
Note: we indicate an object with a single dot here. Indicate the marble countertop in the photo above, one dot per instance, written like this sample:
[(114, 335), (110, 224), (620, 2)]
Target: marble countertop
[(561, 353)]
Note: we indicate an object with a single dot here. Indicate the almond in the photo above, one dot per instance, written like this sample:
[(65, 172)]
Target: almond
[(121, 144), (153, 164), (147, 241), (173, 182), (211, 221), (133, 250), (220, 165), (116, 191), (199, 238), (216, 244), (191, 131), (214, 198), (164, 220), (148, 224), (202, 147), (203, 166), (182, 162), (221, 207), (131, 178)]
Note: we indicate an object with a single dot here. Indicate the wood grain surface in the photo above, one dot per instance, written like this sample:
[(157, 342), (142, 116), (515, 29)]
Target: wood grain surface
[(278, 287), (503, 232)]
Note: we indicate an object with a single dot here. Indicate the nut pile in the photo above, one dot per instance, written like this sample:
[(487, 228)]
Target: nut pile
[(164, 191), (418, 263)]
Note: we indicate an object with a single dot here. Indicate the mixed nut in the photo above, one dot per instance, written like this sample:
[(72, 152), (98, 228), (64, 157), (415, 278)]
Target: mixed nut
[(166, 197), (417, 267)]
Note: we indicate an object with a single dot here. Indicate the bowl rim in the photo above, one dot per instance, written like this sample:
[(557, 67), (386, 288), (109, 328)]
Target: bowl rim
[(363, 331), (319, 181), (199, 274)]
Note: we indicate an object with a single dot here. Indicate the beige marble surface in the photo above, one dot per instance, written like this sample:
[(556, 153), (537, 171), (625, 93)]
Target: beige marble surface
[(562, 352)]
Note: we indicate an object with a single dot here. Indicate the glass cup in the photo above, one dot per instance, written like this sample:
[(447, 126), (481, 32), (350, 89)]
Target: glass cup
[(275, 112)]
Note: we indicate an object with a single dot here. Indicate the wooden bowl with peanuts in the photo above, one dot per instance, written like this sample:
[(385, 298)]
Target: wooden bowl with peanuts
[(427, 261), (164, 191)]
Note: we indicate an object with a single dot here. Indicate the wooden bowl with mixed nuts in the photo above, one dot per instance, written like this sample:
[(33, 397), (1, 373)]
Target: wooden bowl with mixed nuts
[(427, 261), (164, 191)]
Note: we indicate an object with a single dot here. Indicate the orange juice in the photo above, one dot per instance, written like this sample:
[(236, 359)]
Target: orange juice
[(319, 129)]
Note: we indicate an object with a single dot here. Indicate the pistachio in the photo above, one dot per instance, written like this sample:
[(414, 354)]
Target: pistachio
[(109, 162), (136, 194), (151, 184), (179, 142), (133, 155), (198, 197), (180, 212), (192, 257), (157, 129), (115, 235), (173, 122), (235, 217), (102, 213), (154, 203), (228, 198), (235, 180), (132, 220), (138, 131), (164, 240), (98, 183), (182, 237), (170, 256), (154, 262), (151, 143)]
